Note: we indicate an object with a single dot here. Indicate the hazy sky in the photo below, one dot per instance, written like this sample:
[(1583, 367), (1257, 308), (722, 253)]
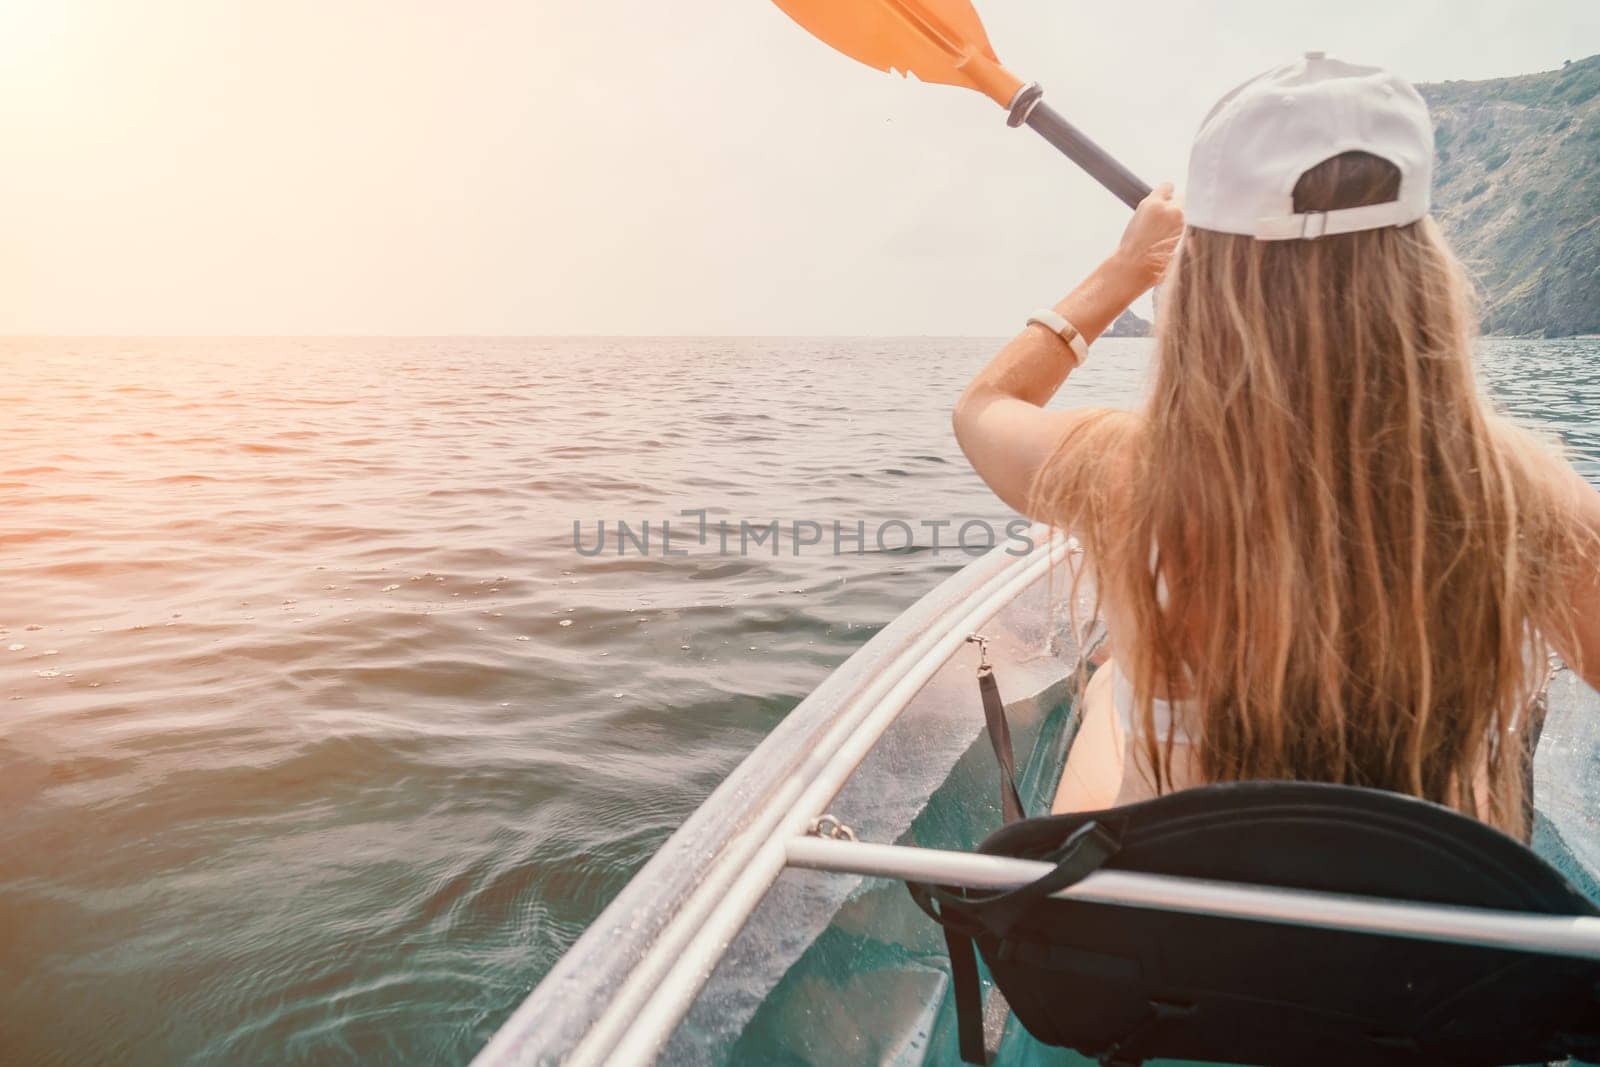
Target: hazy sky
[(594, 166)]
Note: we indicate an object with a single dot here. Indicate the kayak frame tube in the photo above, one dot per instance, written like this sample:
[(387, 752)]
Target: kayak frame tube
[(651, 1025), (617, 993), (1576, 936)]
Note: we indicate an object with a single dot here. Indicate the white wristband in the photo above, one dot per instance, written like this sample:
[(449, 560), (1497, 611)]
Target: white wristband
[(1058, 325)]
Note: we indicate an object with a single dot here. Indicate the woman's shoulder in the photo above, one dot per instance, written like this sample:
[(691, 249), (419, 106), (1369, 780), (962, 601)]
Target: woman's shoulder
[(1097, 433), (1084, 484)]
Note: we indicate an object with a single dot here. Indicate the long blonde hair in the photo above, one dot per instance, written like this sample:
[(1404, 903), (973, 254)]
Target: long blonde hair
[(1319, 534)]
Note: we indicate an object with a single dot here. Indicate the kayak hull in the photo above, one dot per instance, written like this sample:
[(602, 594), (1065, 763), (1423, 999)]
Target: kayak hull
[(719, 951)]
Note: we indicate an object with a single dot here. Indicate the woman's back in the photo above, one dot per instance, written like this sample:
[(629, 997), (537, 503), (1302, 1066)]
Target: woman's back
[(1360, 561), (1317, 538)]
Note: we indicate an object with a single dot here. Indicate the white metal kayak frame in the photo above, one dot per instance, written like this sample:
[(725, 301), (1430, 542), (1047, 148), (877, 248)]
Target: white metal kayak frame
[(649, 1025), (601, 1006), (1577, 936)]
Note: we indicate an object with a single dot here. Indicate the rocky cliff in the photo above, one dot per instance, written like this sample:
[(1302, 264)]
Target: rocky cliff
[(1130, 325), (1517, 190)]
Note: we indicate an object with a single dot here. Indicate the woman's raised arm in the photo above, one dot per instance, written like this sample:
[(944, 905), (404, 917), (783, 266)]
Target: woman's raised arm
[(1000, 419)]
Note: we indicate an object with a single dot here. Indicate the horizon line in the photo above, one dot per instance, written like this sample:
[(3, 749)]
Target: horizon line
[(111, 336)]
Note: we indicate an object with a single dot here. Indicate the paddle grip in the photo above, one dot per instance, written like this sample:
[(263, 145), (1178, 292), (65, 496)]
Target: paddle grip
[(1085, 153)]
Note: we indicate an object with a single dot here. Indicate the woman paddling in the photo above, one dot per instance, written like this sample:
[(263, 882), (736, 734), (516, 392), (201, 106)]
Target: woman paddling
[(1320, 553)]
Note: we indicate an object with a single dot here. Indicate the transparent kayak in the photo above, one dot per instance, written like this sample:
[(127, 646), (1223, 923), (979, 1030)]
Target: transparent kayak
[(728, 946)]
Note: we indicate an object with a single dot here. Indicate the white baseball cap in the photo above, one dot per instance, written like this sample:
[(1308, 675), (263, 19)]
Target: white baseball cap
[(1260, 138)]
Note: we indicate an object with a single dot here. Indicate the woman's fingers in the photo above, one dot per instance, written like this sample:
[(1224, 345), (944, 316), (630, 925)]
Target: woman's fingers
[(1153, 232)]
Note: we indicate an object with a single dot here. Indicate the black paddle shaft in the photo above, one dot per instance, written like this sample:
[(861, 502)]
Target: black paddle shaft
[(1085, 153)]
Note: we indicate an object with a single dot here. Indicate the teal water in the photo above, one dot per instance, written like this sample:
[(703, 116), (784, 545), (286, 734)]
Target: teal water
[(321, 741)]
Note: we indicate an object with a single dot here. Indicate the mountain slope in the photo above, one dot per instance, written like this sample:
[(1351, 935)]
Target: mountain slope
[(1517, 190)]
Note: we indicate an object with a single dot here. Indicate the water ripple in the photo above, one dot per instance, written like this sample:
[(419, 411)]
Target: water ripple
[(321, 740)]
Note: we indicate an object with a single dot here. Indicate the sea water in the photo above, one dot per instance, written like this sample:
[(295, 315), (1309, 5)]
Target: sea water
[(325, 726)]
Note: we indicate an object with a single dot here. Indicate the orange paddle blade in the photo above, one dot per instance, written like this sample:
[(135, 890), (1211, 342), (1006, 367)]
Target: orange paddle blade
[(937, 40)]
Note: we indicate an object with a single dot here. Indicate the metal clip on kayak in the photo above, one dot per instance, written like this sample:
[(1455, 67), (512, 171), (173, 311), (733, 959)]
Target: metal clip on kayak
[(828, 826), (983, 649)]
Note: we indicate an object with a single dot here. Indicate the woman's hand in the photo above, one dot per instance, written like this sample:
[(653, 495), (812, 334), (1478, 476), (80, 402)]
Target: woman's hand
[(1151, 237), (1000, 421)]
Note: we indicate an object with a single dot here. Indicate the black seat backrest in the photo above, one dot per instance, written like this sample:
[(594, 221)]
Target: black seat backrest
[(1128, 984)]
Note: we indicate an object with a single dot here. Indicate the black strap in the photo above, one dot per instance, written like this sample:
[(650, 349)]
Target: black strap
[(1088, 847), (968, 995), (961, 915), (964, 984), (1130, 1049), (994, 714), (1083, 853)]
